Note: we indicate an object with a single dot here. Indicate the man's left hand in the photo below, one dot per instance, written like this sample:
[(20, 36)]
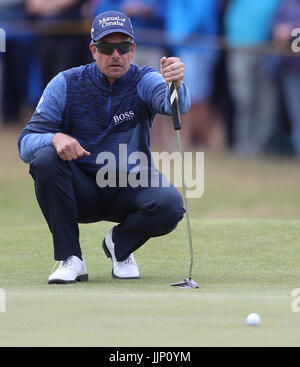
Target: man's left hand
[(172, 69)]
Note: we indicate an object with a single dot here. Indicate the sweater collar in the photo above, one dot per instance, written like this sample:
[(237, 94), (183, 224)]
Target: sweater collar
[(101, 81)]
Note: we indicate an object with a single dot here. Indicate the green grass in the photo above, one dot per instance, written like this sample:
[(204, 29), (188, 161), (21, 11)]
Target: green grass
[(246, 231), (242, 266)]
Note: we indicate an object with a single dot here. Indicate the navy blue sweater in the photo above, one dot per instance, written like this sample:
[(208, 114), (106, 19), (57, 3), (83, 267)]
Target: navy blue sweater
[(81, 103)]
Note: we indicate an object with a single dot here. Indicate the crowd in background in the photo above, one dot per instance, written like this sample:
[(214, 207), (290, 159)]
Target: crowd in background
[(243, 77)]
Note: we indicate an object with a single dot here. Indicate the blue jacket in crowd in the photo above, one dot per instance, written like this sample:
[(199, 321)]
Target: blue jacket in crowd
[(185, 19), (155, 20), (249, 23)]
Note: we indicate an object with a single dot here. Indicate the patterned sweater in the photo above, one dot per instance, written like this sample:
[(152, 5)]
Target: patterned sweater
[(81, 103)]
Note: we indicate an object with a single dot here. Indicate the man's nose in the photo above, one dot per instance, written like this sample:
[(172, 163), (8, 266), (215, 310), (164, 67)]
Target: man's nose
[(115, 53)]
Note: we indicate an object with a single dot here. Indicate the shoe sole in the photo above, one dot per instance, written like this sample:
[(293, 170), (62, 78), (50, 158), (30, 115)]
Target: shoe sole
[(80, 278), (116, 277), (105, 249), (108, 254)]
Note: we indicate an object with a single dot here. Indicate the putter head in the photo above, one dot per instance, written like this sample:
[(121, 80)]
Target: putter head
[(186, 283)]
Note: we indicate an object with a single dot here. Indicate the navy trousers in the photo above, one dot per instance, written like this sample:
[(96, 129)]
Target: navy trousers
[(68, 196)]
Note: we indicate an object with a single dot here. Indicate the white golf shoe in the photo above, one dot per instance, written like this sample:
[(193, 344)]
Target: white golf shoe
[(126, 269), (71, 270)]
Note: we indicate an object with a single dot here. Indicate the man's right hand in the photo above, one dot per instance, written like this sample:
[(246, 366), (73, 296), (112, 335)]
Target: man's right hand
[(68, 148)]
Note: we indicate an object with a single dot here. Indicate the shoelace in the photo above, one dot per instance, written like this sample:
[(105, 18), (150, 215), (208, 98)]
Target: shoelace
[(129, 260), (63, 264), (66, 263)]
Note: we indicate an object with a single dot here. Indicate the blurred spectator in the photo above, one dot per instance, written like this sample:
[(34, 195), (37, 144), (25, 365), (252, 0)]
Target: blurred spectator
[(192, 27), (147, 17), (19, 63), (287, 19), (58, 51), (221, 97), (252, 84)]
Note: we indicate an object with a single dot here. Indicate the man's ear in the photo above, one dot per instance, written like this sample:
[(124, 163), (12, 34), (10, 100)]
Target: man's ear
[(93, 50), (133, 50)]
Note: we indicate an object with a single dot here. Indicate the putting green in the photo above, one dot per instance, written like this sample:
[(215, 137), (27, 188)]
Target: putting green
[(242, 266)]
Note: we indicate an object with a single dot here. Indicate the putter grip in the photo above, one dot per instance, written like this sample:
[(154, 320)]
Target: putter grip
[(175, 106)]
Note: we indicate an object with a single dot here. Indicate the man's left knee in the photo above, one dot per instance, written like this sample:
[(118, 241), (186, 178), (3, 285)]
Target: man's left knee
[(170, 210)]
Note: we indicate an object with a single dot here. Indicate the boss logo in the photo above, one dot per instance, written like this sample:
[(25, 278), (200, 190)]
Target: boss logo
[(126, 116)]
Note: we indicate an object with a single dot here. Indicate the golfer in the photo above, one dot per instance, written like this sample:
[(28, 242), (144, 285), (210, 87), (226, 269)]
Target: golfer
[(85, 115)]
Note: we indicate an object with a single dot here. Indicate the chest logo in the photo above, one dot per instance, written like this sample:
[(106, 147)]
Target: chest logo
[(123, 117)]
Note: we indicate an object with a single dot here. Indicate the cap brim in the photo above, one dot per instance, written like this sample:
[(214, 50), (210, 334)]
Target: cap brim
[(105, 33)]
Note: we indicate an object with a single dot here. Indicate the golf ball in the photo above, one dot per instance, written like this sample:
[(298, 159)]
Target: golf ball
[(253, 319)]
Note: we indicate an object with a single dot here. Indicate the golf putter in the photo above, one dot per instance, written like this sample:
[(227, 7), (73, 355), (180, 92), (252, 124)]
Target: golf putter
[(187, 282)]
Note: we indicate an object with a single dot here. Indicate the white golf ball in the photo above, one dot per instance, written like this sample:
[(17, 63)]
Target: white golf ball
[(253, 319)]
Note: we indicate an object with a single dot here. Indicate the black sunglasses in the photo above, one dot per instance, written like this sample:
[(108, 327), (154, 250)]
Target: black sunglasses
[(107, 48)]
